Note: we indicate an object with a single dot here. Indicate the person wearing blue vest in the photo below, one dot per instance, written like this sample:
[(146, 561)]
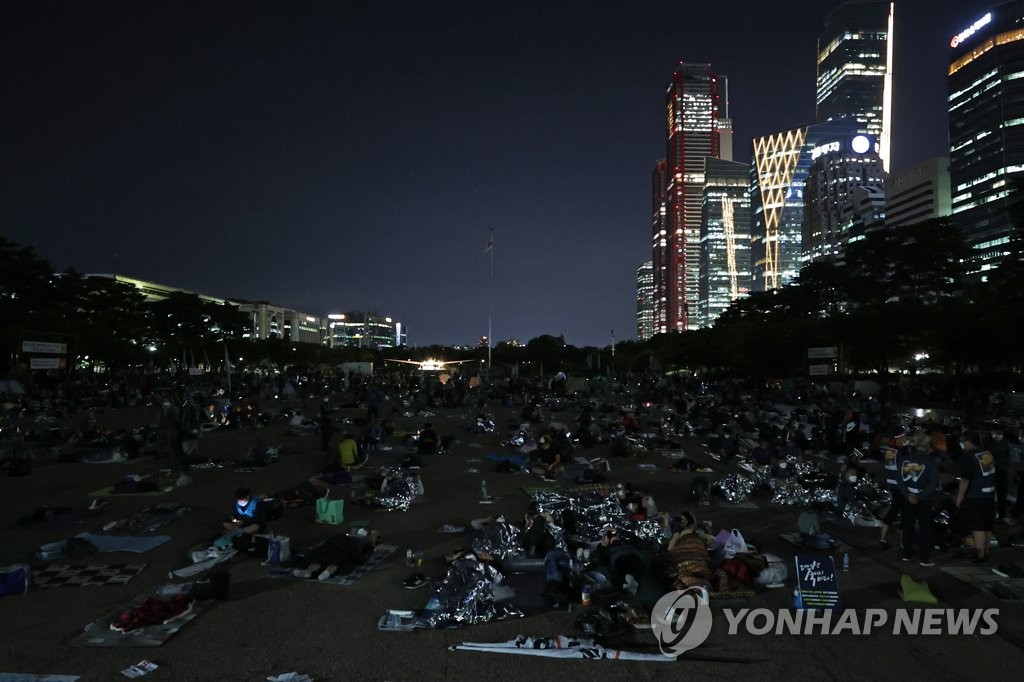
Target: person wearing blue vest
[(976, 494), (889, 454), (249, 514), (918, 479)]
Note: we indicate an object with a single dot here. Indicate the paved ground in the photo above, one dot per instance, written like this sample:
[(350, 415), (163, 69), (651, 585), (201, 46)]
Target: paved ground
[(271, 626)]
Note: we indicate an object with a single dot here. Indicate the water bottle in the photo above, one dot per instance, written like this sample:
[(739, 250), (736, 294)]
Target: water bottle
[(483, 490), (846, 561)]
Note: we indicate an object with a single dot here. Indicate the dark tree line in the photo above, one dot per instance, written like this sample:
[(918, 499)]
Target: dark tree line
[(900, 299)]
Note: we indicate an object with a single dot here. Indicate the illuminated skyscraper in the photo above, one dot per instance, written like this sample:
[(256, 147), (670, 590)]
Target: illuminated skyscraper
[(778, 176), (659, 246), (693, 104), (645, 301), (986, 128), (834, 213), (855, 69), (724, 237)]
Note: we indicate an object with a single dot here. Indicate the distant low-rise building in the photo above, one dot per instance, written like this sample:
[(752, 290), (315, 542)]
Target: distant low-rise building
[(365, 330)]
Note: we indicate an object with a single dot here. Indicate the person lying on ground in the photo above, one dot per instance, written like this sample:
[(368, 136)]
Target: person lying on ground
[(621, 563), (337, 555)]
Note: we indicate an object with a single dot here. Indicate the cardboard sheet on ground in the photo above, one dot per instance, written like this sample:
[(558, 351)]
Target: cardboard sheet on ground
[(99, 634), (379, 555), (205, 565), (64, 575), (602, 488), (148, 519), (794, 538), (108, 491), (517, 460), (107, 543), (1010, 590), (561, 646)]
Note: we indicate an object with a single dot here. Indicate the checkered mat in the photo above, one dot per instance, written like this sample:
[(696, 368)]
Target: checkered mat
[(379, 555), (79, 576)]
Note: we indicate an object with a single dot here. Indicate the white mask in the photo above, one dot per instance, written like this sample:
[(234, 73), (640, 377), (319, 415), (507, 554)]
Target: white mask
[(852, 478)]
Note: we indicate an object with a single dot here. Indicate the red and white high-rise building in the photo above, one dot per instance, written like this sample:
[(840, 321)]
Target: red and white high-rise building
[(695, 116)]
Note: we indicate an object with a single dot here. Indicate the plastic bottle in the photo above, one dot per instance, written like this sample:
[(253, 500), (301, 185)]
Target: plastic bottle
[(846, 561), (484, 495)]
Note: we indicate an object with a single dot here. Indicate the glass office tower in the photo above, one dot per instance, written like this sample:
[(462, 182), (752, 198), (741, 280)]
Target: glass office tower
[(986, 128), (855, 69), (724, 237)]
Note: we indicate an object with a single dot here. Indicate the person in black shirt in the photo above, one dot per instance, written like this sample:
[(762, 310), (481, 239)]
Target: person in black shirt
[(976, 494)]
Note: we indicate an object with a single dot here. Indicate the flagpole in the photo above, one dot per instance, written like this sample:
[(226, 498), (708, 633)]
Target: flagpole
[(490, 306)]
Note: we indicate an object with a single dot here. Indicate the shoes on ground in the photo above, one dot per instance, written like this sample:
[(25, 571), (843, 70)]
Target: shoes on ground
[(415, 581)]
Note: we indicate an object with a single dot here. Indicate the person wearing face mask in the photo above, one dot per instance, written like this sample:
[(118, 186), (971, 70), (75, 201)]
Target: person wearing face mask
[(890, 454), (917, 475), (846, 493), (1000, 449), (249, 514)]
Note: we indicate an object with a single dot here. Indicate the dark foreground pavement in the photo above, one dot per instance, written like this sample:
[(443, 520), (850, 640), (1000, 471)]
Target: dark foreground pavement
[(274, 626)]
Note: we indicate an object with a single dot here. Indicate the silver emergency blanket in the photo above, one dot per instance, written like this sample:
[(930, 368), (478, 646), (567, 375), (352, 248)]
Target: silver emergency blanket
[(500, 540), (763, 477), (590, 513), (397, 491), (734, 488), (466, 596)]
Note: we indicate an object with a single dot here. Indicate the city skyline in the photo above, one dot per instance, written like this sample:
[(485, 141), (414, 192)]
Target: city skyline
[(348, 156)]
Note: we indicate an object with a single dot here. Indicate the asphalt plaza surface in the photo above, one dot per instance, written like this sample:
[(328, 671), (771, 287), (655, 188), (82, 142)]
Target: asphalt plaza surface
[(272, 626)]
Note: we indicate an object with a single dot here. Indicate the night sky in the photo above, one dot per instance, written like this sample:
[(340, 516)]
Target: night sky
[(344, 155)]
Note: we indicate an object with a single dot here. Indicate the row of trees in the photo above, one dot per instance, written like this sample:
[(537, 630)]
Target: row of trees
[(899, 299)]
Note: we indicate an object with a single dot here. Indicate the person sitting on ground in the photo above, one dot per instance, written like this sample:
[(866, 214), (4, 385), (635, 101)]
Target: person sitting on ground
[(348, 452), (629, 422), (428, 440), (686, 562), (763, 453), (545, 461), (373, 435), (249, 515)]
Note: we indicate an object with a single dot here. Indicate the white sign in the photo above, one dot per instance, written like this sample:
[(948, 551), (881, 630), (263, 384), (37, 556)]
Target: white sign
[(822, 353), (860, 144), (46, 363), (824, 149), (43, 347), (819, 370), (970, 30)]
